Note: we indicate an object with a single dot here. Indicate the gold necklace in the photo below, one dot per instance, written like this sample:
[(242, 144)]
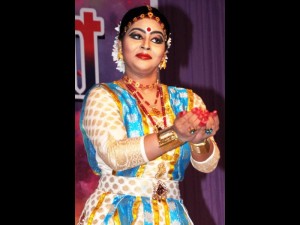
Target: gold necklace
[(134, 93), (137, 84)]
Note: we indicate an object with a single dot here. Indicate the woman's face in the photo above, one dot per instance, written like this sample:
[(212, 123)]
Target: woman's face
[(143, 46)]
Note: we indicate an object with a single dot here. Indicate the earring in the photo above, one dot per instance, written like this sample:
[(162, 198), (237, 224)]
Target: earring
[(120, 55), (163, 63)]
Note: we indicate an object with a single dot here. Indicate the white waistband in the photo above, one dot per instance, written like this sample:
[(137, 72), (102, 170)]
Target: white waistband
[(136, 186)]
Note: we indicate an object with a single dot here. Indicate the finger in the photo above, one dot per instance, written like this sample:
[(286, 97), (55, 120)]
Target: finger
[(182, 113), (193, 124), (189, 115), (187, 120), (193, 119), (215, 123), (216, 120)]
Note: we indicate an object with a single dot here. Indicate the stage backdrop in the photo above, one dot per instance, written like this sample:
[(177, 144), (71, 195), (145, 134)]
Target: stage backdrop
[(95, 23), (196, 60)]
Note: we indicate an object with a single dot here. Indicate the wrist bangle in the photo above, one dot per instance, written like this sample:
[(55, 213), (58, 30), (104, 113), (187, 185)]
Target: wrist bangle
[(168, 139), (200, 148)]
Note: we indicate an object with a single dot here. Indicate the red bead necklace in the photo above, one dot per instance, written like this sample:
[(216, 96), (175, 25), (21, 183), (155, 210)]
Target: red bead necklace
[(138, 96), (137, 84), (154, 110)]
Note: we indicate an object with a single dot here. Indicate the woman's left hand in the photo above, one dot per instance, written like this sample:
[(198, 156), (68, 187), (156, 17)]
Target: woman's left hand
[(196, 125)]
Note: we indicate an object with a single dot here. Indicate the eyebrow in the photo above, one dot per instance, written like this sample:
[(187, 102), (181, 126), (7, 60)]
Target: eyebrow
[(152, 32)]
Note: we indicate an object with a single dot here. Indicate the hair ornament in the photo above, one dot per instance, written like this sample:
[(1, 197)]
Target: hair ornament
[(115, 52)]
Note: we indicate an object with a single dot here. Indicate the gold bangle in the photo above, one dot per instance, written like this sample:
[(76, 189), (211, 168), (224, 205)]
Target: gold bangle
[(201, 148), (168, 139)]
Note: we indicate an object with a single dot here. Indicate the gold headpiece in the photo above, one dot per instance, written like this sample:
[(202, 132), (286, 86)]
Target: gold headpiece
[(116, 53), (149, 15)]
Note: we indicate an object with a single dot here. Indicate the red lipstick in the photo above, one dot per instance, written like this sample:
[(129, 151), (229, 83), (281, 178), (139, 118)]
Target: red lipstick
[(143, 56)]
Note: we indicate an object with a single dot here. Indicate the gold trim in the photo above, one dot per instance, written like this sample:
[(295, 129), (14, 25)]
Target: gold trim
[(117, 218), (190, 99), (167, 212), (201, 148), (170, 113), (160, 191), (135, 208), (155, 211), (168, 139), (90, 220)]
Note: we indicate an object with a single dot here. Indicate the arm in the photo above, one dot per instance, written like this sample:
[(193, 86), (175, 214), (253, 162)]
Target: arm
[(105, 129), (205, 161), (104, 126)]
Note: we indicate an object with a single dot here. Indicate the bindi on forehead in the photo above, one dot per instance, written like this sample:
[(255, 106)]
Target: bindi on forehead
[(148, 29)]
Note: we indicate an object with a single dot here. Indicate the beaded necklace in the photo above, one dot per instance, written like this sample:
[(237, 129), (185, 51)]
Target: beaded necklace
[(154, 110), (138, 96), (137, 84)]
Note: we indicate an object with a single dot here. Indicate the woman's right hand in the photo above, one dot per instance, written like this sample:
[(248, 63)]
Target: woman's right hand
[(196, 125)]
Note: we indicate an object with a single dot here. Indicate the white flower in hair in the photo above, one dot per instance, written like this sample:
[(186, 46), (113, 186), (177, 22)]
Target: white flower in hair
[(118, 61), (168, 46), (169, 42)]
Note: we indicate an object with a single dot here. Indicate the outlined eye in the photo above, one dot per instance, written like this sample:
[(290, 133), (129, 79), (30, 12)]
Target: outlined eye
[(157, 40), (136, 36)]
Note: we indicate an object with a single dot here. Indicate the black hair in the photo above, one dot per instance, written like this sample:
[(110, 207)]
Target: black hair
[(136, 12)]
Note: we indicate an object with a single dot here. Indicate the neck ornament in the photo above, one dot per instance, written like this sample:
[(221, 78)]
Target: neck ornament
[(137, 84), (140, 99)]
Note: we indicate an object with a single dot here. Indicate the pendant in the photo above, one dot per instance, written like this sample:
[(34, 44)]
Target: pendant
[(157, 128), (161, 170), (155, 111), (160, 191)]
